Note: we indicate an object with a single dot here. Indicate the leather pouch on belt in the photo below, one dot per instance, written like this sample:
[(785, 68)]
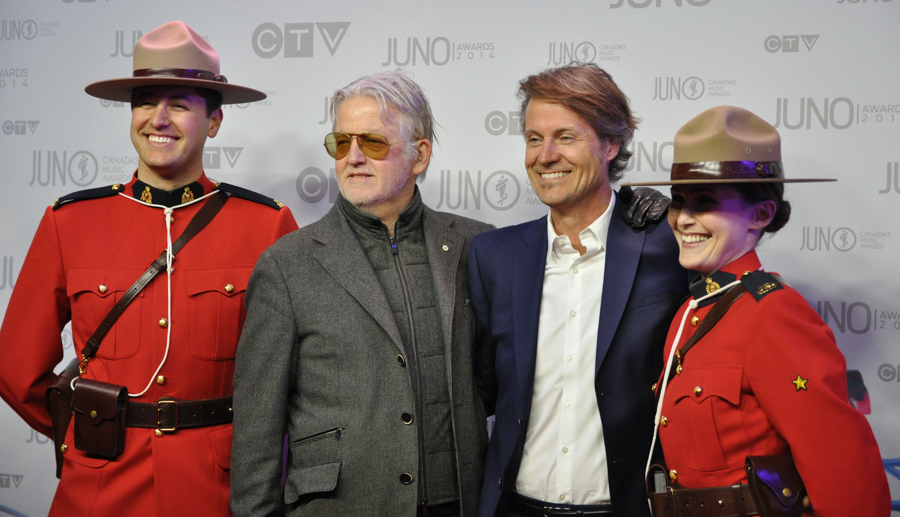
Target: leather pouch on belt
[(776, 485), (100, 417)]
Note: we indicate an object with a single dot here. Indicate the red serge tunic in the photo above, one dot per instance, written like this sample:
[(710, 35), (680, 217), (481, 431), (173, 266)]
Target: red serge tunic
[(769, 378), (83, 258)]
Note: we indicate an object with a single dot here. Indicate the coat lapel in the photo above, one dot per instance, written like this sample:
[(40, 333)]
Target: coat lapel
[(623, 252), (343, 258), (528, 284)]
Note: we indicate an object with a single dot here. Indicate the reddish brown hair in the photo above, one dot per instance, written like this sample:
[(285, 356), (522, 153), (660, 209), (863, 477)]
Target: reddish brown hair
[(590, 92)]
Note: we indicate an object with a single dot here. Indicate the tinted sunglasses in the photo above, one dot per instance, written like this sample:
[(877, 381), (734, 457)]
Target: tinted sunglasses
[(373, 145)]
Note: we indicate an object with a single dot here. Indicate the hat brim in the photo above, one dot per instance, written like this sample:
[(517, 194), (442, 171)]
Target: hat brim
[(722, 181), (120, 89)]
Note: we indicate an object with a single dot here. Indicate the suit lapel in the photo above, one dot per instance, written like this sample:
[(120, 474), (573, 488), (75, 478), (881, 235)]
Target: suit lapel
[(529, 261), (344, 259), (444, 247), (623, 251)]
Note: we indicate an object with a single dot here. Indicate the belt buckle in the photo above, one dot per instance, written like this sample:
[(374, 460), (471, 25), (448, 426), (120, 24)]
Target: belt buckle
[(160, 404), (556, 510)]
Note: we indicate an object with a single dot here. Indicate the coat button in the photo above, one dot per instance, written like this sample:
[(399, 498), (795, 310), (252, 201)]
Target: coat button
[(653, 388), (673, 475), (698, 390), (520, 422), (679, 369), (664, 421), (787, 492), (161, 380), (406, 478), (93, 413), (229, 288), (401, 361), (102, 288), (695, 320), (163, 322), (159, 433), (407, 418), (63, 448)]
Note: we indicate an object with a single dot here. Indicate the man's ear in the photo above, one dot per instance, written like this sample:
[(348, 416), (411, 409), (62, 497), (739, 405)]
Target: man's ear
[(215, 121), (611, 149), (422, 157)]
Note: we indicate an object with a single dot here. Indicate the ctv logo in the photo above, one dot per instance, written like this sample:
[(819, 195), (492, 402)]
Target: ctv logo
[(775, 44), (212, 156), (296, 40)]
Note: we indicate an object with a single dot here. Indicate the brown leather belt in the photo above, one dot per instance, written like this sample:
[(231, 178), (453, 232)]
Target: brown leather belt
[(527, 507), (719, 501), (169, 414)]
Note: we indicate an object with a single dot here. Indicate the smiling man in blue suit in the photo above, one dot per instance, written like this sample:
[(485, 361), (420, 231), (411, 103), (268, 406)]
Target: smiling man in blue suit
[(571, 314)]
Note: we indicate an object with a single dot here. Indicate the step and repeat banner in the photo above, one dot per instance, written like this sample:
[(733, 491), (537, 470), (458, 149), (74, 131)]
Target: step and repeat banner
[(824, 72)]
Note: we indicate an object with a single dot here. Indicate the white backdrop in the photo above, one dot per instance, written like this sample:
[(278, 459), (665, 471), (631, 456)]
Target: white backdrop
[(824, 72)]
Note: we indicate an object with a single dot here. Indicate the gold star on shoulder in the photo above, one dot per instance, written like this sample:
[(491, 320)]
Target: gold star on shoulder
[(800, 383)]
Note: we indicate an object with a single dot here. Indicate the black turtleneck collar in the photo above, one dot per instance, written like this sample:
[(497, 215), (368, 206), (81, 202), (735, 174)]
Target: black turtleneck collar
[(167, 198), (407, 221)]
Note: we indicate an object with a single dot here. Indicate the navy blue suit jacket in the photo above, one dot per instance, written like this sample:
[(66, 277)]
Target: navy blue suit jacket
[(643, 286)]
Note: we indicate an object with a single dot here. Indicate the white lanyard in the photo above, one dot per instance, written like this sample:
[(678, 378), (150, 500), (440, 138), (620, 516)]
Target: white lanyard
[(665, 381), (167, 212)]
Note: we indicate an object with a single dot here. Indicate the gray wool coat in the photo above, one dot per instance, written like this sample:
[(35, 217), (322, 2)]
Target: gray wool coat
[(320, 356)]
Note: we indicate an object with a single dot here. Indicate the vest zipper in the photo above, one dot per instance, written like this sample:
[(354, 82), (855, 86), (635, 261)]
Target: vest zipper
[(412, 350)]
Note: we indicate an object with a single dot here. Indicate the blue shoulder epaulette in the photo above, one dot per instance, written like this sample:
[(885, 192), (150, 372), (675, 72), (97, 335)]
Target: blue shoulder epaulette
[(91, 193), (249, 195), (759, 283)]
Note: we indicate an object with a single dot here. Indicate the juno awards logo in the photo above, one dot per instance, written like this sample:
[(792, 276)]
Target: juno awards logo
[(48, 167), (817, 238), (500, 190)]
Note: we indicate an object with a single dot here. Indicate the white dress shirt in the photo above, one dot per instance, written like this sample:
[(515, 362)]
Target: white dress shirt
[(564, 460)]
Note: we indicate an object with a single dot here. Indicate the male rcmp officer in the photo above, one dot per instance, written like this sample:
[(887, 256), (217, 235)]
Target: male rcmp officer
[(571, 313), (176, 341), (358, 336)]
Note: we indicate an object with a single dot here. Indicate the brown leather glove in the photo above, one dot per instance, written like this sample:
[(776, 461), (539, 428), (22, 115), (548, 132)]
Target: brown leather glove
[(645, 205)]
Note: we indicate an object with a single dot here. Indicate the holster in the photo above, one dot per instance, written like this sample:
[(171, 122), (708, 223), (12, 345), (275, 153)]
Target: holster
[(58, 398), (100, 417), (776, 485)]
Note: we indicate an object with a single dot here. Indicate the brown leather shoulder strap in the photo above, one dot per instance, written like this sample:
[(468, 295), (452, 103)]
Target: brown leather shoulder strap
[(197, 223), (715, 314)]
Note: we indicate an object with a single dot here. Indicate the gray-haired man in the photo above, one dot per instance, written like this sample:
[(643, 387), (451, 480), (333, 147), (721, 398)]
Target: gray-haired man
[(358, 335)]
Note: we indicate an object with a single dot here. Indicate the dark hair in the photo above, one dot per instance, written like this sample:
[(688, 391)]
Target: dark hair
[(752, 193), (213, 100), (591, 93)]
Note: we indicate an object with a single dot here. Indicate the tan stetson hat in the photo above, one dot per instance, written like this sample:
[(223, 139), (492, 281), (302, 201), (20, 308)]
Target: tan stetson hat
[(174, 55), (727, 144)]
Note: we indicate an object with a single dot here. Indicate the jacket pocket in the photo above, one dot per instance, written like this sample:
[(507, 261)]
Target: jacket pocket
[(220, 439), (310, 480), (707, 403), (216, 304), (93, 292), (315, 462)]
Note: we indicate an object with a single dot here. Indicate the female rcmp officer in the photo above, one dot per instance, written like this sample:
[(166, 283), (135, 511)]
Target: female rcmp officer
[(767, 378)]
